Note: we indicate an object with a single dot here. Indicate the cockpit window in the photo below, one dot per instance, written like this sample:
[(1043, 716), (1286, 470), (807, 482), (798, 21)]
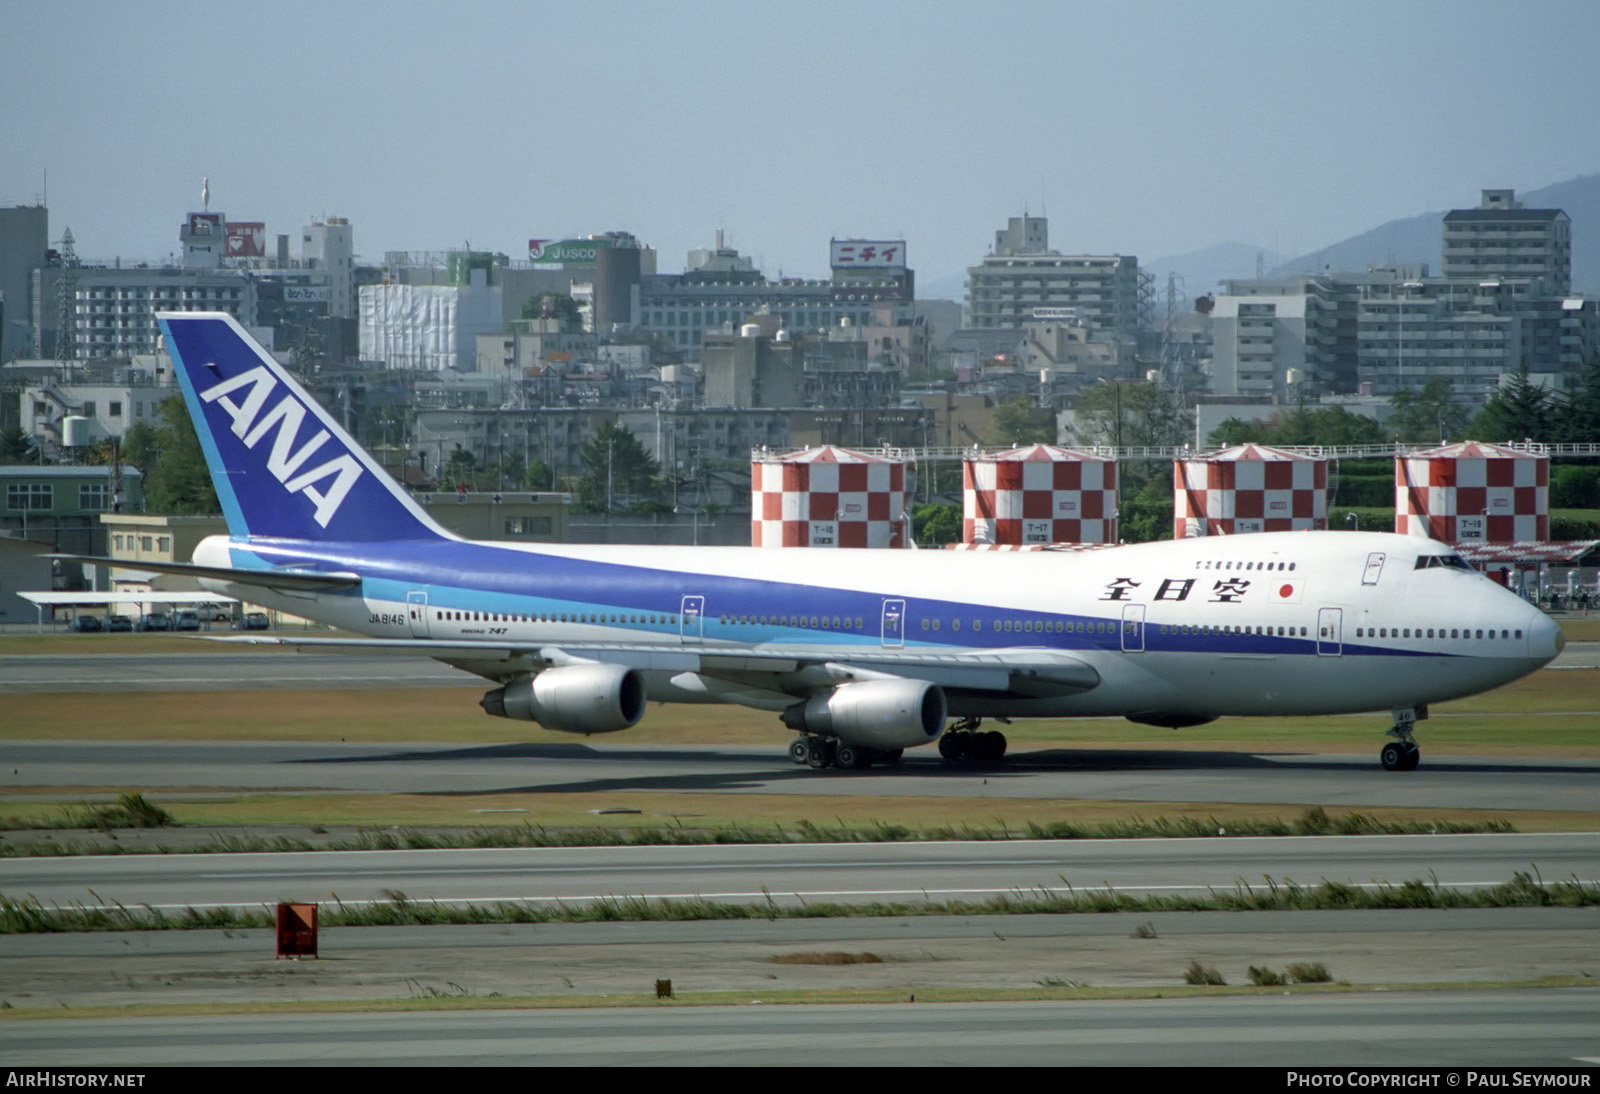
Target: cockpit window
[(1451, 562)]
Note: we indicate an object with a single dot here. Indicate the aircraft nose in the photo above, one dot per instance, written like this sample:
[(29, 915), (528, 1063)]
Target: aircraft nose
[(1545, 640)]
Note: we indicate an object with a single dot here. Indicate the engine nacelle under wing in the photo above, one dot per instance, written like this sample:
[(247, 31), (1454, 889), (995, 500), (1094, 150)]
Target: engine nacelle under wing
[(883, 714), (573, 698)]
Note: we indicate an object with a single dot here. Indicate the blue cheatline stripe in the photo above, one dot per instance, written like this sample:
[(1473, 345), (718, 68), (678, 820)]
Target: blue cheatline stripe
[(518, 582)]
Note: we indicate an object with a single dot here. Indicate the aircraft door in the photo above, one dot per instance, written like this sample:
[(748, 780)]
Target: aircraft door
[(1374, 569), (1133, 628), (417, 614), (894, 623), (691, 620), (1330, 622)]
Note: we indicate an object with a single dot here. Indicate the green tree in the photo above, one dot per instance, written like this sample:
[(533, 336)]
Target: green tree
[(555, 305), (458, 468), (616, 468), (1328, 425), (1022, 421), (510, 473), (1426, 415), (141, 444), (1146, 513), (1579, 419), (16, 446), (1520, 410), (1130, 415), (537, 475), (936, 525), (178, 481)]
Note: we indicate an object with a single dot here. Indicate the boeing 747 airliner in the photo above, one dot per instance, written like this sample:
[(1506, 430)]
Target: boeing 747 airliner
[(862, 653)]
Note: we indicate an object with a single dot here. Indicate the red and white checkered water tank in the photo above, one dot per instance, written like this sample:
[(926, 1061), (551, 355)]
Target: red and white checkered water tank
[(827, 497), (1473, 493), (1248, 488), (1038, 495)]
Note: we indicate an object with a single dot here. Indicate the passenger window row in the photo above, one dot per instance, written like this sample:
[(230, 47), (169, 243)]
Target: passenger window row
[(808, 622), (1281, 632), (1218, 564), (1430, 632), (555, 617)]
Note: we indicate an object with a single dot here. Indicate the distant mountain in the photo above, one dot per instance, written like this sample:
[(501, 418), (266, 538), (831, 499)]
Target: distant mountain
[(1202, 270), (1418, 238)]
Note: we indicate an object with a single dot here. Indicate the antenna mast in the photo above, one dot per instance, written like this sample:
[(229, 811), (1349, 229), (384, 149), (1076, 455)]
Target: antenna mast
[(66, 304)]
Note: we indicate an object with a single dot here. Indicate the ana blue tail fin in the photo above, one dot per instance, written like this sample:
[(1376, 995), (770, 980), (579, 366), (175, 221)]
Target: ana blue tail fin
[(283, 468)]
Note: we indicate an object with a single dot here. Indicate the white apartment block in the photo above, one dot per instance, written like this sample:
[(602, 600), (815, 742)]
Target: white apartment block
[(1501, 240), (115, 312), (1023, 280)]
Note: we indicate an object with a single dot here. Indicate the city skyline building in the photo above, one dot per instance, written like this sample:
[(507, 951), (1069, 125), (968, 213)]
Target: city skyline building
[(1500, 239), (1023, 280)]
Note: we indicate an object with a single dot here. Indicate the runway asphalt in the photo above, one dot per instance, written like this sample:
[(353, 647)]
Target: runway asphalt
[(615, 766), (1447, 1033)]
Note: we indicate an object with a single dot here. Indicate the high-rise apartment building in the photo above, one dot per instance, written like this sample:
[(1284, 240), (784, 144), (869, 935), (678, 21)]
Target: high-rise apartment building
[(327, 245), (1500, 239), (1024, 280)]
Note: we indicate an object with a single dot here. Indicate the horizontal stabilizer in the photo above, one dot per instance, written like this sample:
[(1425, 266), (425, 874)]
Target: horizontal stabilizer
[(285, 580)]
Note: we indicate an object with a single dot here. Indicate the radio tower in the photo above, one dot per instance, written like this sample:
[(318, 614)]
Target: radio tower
[(66, 304), (1172, 364)]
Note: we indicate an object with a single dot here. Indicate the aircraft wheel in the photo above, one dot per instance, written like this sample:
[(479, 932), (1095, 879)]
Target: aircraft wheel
[(997, 745), (819, 753), (848, 755), (891, 757), (1413, 757), (1393, 757), (799, 750), (953, 746)]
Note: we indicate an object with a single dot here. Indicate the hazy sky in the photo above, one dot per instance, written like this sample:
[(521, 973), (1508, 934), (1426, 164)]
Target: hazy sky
[(1138, 128)]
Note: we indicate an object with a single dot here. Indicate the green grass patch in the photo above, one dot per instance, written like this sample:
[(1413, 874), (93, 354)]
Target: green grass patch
[(1580, 628), (28, 916), (1049, 821)]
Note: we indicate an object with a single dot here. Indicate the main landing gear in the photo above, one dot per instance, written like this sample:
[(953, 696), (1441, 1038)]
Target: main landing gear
[(810, 750), (963, 741), (1402, 753)]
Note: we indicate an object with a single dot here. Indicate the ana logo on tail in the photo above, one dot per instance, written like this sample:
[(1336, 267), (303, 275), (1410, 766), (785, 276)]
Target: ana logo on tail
[(284, 461)]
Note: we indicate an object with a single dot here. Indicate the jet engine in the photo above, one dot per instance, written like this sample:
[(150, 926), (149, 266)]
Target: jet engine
[(881, 714), (575, 698)]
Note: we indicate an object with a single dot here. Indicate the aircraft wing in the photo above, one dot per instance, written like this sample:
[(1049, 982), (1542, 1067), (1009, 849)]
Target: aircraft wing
[(770, 679)]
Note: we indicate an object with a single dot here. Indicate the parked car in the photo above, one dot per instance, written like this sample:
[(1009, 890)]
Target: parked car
[(118, 623), (254, 621), (213, 613), (84, 624), (155, 621), (187, 619)]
